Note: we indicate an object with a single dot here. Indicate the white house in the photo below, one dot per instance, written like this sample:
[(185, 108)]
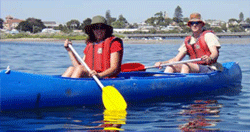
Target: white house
[(50, 30), (215, 23), (170, 27), (50, 24), (122, 30)]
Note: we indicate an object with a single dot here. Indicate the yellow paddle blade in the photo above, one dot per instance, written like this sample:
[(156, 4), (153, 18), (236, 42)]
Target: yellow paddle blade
[(112, 99)]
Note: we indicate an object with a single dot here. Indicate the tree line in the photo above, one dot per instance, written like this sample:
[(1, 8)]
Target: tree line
[(35, 25)]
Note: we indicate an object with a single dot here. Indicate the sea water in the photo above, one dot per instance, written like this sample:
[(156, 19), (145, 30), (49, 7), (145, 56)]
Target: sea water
[(227, 111)]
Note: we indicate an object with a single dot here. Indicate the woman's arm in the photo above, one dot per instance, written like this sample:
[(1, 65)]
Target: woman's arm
[(72, 57)]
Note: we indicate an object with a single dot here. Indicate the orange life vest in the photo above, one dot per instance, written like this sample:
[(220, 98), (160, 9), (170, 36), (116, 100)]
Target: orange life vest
[(98, 55), (199, 49)]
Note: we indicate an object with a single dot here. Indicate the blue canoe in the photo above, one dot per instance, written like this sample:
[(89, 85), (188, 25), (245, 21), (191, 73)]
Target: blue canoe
[(20, 91)]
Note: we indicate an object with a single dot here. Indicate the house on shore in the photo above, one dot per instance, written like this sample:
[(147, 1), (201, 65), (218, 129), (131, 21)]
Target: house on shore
[(50, 24), (245, 25), (11, 23)]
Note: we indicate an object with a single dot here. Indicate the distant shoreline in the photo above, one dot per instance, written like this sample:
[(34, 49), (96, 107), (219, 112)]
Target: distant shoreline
[(131, 41)]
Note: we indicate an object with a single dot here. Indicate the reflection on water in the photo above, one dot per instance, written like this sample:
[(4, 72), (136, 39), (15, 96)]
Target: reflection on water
[(198, 115), (113, 120)]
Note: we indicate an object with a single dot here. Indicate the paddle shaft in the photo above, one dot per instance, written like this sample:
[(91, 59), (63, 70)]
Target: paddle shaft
[(174, 63), (85, 65)]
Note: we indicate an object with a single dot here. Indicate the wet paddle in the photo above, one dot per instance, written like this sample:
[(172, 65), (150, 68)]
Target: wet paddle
[(129, 67), (111, 97)]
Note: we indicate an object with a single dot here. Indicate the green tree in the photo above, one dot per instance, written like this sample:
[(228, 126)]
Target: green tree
[(109, 18), (168, 21), (122, 19), (181, 24), (236, 28), (217, 29), (36, 23), (118, 24), (224, 27), (232, 20), (153, 31), (186, 19), (135, 25), (159, 19), (65, 29), (1, 23), (186, 29), (248, 20), (24, 26), (151, 21), (241, 17), (32, 25), (178, 14), (60, 27), (73, 24), (130, 26), (159, 14), (207, 26), (85, 23)]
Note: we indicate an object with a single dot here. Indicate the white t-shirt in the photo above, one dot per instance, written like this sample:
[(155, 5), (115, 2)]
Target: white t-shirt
[(211, 40)]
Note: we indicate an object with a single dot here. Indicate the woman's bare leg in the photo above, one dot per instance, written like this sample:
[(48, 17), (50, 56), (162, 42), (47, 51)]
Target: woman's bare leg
[(79, 71), (68, 72)]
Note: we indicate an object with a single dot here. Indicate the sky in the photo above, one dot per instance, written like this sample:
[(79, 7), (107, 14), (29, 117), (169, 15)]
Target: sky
[(135, 11)]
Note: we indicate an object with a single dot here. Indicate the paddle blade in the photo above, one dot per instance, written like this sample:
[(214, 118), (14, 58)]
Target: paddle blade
[(112, 99), (129, 67)]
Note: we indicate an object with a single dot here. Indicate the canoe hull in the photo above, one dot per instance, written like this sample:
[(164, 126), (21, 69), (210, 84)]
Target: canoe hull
[(21, 91)]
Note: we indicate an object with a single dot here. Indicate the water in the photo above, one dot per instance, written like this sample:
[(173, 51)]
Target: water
[(227, 111)]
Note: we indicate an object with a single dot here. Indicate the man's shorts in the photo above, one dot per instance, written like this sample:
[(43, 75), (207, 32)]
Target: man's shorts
[(205, 69)]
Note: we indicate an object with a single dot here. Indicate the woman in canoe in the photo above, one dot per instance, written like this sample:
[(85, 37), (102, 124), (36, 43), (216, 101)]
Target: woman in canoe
[(103, 53), (202, 44)]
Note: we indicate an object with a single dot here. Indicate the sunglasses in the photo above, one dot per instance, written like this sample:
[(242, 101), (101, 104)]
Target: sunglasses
[(192, 23), (96, 27)]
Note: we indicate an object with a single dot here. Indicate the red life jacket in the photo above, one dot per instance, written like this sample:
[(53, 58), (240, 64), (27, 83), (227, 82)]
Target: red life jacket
[(98, 55), (199, 49)]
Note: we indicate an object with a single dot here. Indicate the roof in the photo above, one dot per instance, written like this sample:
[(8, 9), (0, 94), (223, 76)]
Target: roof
[(49, 22), (10, 21)]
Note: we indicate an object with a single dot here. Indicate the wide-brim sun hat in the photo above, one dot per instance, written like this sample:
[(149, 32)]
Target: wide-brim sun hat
[(97, 20), (195, 17)]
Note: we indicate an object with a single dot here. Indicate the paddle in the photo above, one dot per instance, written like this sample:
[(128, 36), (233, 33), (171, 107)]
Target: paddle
[(111, 97), (129, 67)]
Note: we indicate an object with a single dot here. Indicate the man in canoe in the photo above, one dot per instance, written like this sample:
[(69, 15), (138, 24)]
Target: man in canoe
[(202, 44), (103, 53)]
